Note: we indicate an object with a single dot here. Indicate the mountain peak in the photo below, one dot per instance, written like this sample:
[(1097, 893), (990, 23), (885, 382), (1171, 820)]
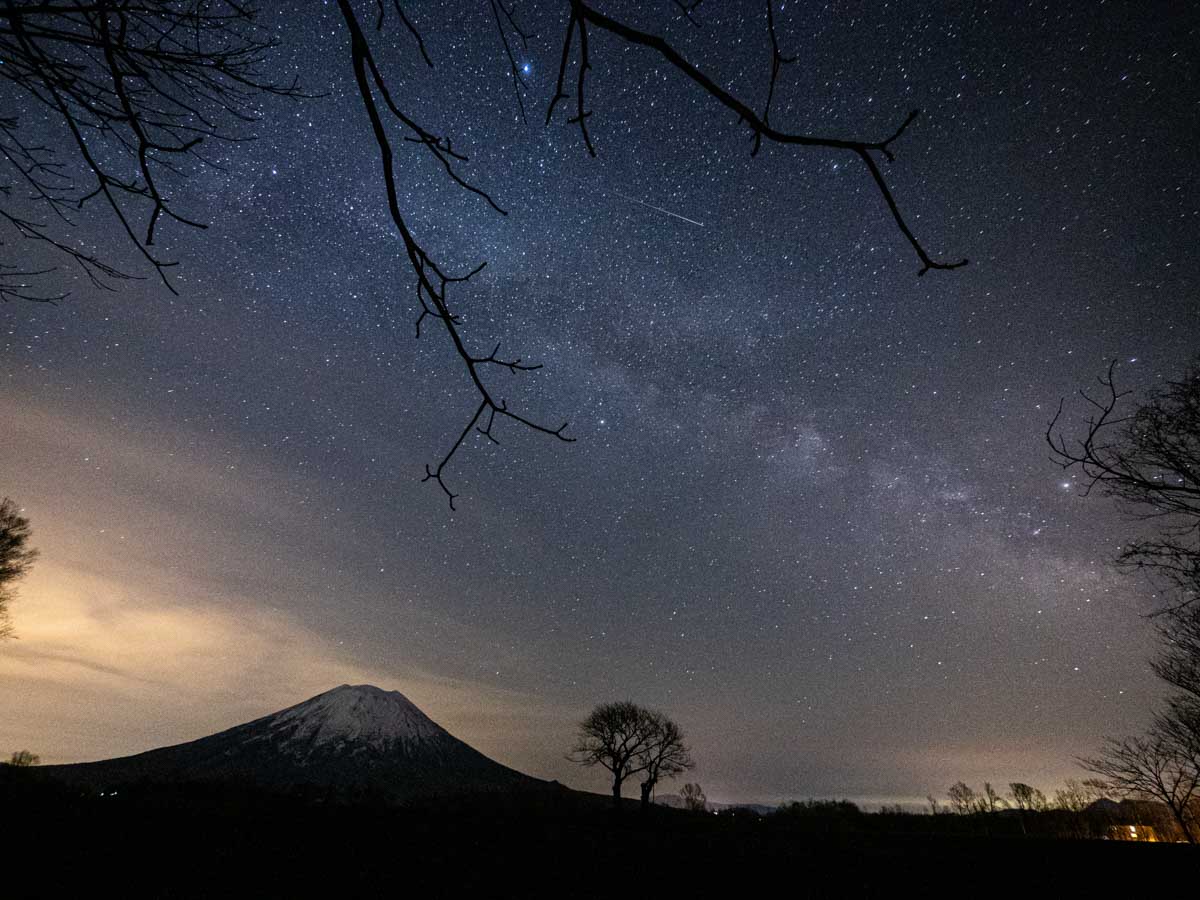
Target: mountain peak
[(358, 714)]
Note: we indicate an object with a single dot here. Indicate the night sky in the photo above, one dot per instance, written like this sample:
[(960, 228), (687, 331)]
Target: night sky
[(809, 512)]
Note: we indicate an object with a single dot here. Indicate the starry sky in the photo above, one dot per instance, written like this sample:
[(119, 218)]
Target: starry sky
[(809, 512)]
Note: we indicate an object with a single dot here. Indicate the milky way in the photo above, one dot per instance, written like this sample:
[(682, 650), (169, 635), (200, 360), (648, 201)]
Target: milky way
[(809, 510)]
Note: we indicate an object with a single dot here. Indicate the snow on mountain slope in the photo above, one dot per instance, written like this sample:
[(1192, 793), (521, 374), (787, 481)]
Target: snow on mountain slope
[(356, 714)]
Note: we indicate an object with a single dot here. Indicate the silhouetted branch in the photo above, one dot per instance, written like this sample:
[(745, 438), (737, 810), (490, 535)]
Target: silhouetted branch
[(778, 61), (1179, 662), (431, 282), (441, 148), (559, 93), (1149, 461), (1154, 457), (412, 29), (581, 114), (687, 9), (14, 286), (503, 14), (150, 81), (1158, 766), (583, 15), (512, 365), (99, 273)]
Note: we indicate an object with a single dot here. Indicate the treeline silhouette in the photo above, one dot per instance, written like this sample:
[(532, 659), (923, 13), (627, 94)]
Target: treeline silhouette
[(1101, 819), (1126, 820), (213, 840)]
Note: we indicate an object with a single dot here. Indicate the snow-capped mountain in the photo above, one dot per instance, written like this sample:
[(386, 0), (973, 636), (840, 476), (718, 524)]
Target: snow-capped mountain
[(352, 738), (355, 718)]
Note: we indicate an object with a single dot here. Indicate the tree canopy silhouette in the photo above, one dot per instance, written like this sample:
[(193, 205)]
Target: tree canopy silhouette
[(693, 797), (627, 740), (16, 556), (612, 736), (141, 90)]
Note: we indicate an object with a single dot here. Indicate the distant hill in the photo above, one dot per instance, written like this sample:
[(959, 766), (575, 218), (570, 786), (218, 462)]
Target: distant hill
[(354, 739)]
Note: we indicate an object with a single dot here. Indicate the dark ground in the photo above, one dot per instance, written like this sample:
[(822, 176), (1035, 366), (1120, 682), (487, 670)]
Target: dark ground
[(213, 842)]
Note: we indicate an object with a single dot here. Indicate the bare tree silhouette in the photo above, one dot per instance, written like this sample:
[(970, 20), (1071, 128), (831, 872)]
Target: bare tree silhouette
[(612, 736), (1158, 768), (1148, 460), (23, 759), (693, 798), (1026, 797), (1164, 764), (963, 798)]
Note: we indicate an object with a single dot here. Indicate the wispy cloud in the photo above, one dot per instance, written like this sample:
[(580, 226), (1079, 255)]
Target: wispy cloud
[(102, 671), (177, 595)]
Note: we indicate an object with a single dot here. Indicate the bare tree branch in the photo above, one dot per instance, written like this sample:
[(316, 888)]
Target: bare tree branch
[(149, 81), (412, 29), (664, 754), (503, 14), (778, 61), (1149, 462), (431, 282), (1157, 767), (687, 9), (582, 15)]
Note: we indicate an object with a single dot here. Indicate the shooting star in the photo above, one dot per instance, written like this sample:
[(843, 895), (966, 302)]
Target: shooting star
[(666, 212), (659, 209)]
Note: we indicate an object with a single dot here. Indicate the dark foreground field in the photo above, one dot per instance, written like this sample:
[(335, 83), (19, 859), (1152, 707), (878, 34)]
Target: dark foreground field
[(217, 843)]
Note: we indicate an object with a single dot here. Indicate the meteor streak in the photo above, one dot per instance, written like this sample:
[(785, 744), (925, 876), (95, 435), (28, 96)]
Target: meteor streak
[(667, 212), (659, 209)]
